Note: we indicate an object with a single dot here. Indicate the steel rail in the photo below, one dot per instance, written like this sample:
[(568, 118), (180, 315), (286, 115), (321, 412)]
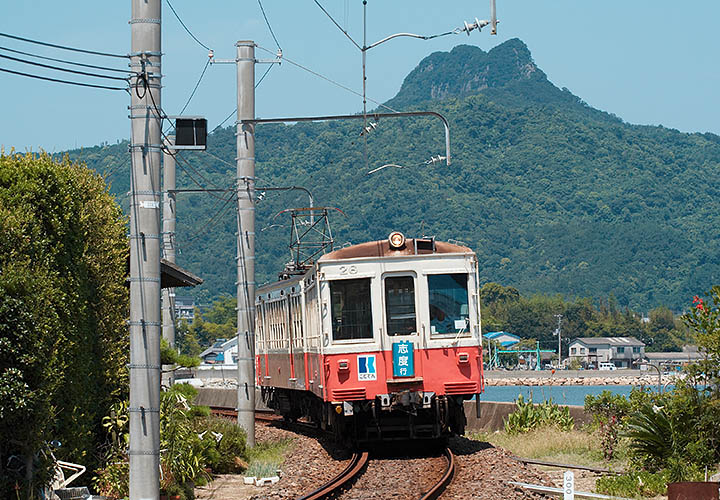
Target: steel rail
[(440, 487), (357, 463)]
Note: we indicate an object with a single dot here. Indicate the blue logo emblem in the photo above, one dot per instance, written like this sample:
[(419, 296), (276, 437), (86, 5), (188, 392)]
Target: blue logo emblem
[(366, 367)]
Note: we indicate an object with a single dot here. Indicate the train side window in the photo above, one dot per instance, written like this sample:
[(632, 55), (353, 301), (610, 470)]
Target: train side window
[(351, 309), (448, 303), (400, 305)]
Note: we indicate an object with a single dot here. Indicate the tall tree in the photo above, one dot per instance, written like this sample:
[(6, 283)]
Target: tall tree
[(63, 342)]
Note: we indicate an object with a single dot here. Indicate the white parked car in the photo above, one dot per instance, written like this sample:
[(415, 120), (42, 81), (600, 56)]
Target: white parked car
[(607, 366)]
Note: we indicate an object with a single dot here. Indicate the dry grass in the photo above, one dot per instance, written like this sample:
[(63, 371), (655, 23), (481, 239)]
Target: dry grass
[(571, 447)]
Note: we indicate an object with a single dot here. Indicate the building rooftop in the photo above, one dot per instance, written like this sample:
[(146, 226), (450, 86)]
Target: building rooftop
[(673, 356), (613, 341)]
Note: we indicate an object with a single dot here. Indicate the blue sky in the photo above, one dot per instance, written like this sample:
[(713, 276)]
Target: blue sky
[(647, 61)]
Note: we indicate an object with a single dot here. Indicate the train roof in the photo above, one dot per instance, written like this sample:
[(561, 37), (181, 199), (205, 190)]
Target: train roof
[(381, 248)]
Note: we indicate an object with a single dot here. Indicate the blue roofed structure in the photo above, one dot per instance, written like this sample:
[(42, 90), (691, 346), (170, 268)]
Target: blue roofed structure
[(505, 339)]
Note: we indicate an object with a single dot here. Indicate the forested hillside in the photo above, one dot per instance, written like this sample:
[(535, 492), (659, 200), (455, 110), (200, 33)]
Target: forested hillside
[(555, 197)]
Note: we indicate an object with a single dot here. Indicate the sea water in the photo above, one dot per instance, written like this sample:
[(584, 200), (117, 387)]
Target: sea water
[(560, 394)]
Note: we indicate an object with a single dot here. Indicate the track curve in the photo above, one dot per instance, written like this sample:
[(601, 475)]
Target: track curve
[(445, 480), (357, 463)]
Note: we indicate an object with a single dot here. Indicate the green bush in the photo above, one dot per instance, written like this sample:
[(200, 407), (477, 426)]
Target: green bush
[(223, 444), (633, 484), (529, 416), (607, 410)]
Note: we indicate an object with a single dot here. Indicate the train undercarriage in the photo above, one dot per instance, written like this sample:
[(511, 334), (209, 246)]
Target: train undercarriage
[(405, 415)]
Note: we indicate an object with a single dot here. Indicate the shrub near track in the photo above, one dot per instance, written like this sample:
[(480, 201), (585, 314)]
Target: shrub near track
[(529, 416)]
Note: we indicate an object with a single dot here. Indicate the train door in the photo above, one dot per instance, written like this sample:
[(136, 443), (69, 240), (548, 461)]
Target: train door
[(402, 326)]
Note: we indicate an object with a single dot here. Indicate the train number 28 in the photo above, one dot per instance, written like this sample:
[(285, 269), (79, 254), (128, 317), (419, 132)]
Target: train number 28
[(348, 270)]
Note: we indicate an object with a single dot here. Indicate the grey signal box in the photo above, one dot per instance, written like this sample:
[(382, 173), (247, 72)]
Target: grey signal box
[(190, 133)]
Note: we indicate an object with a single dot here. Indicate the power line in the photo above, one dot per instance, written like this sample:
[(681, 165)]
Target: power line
[(336, 24), (192, 94), (268, 25), (270, 66), (225, 120), (214, 219), (63, 47), (235, 110), (328, 80), (62, 81), (56, 68), (186, 28), (63, 60)]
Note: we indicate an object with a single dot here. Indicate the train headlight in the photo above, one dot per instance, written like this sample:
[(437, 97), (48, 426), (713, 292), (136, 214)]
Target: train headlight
[(396, 240)]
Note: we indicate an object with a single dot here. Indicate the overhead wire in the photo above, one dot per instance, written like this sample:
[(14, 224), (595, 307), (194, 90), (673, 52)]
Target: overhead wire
[(214, 219), (186, 28), (271, 66), (338, 25), (38, 77), (329, 80), (66, 70), (162, 116), (64, 61), (192, 94), (63, 47), (268, 25)]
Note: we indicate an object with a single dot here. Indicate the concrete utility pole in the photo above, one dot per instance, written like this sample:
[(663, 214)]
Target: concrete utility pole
[(245, 135), (558, 333), (145, 151), (168, 244)]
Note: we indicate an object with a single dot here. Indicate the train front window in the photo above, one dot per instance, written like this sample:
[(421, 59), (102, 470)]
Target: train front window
[(351, 311), (400, 305), (448, 303)]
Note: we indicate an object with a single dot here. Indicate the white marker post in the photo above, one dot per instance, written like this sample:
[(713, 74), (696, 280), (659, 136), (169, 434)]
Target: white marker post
[(569, 485)]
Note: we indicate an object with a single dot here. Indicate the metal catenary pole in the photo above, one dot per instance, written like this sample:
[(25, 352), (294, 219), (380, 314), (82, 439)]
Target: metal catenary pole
[(245, 136), (168, 245), (145, 150)]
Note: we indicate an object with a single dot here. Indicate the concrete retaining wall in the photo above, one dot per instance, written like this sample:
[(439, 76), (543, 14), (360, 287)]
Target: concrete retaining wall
[(492, 414)]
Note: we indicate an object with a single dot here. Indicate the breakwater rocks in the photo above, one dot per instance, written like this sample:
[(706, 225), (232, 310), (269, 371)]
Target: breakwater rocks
[(558, 379)]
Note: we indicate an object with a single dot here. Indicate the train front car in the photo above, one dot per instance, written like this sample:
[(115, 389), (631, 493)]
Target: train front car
[(398, 342)]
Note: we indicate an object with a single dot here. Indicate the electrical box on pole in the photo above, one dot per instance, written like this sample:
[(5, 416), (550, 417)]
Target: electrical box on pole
[(190, 133)]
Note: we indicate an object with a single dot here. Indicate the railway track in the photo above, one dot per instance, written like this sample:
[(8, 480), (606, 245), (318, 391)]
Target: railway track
[(357, 465)]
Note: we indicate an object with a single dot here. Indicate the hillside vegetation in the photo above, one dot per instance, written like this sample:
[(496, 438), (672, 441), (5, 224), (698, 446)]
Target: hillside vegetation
[(554, 196)]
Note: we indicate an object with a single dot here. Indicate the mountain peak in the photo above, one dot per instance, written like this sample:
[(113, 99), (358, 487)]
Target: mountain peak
[(467, 69)]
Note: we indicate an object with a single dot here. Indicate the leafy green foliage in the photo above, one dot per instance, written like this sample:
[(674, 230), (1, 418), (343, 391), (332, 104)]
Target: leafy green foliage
[(169, 356), (607, 410), (554, 196), (504, 309), (529, 416), (224, 442), (192, 442), (633, 484), (63, 341)]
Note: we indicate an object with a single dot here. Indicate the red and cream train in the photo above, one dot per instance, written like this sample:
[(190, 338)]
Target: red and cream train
[(376, 341)]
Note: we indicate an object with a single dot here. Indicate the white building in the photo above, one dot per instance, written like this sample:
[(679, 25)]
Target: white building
[(623, 352), (184, 308), (222, 352)]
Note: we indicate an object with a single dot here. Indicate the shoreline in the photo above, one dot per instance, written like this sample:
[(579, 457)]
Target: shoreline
[(494, 378)]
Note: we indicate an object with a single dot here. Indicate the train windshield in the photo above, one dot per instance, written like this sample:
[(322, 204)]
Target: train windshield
[(351, 311), (448, 303), (400, 305)]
